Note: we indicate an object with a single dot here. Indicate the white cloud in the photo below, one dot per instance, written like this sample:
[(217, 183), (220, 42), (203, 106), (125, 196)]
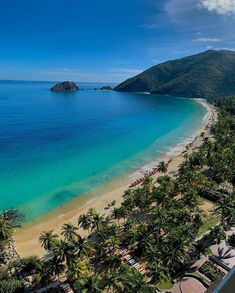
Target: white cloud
[(206, 40), (222, 7), (180, 10), (220, 48)]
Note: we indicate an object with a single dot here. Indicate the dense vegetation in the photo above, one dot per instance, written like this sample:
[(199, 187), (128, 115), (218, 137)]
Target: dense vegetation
[(206, 75), (9, 220), (158, 222)]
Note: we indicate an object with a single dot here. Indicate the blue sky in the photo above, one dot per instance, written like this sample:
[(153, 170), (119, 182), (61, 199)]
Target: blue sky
[(107, 40)]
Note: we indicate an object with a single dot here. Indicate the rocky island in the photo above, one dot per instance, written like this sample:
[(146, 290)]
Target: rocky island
[(106, 88), (65, 86)]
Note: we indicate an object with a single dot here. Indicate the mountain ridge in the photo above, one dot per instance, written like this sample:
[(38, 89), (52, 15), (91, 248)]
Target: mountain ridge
[(209, 74)]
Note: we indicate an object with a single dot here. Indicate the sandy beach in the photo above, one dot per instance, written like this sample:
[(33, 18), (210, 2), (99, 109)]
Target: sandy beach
[(27, 237)]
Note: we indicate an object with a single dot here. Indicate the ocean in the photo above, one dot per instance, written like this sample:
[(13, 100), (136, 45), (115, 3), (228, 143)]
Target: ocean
[(56, 146)]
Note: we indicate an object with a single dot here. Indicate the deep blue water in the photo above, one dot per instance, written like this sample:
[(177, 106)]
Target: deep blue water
[(55, 146)]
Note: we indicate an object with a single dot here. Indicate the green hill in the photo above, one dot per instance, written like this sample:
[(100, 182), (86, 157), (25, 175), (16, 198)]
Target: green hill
[(206, 75)]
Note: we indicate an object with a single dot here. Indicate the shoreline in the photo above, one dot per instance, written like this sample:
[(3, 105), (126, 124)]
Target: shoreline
[(27, 236)]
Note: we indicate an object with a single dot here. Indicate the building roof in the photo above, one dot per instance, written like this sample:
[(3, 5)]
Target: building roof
[(227, 284)]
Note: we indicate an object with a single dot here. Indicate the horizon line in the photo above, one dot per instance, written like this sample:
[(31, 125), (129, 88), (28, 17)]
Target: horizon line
[(28, 80)]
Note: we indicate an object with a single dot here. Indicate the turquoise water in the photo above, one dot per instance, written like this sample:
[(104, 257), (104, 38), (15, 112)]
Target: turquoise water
[(55, 146)]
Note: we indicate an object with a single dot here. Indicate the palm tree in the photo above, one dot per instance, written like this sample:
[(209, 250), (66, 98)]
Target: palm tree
[(92, 212), (48, 240), (147, 185), (162, 167), (192, 180), (6, 230), (82, 247), (64, 251), (107, 236), (217, 234), (184, 167), (127, 193), (118, 214), (159, 216), (77, 270), (97, 220), (134, 280), (197, 221), (69, 231), (165, 192), (158, 272), (91, 285), (142, 243), (141, 200), (112, 282), (226, 208), (191, 199), (112, 242), (201, 247), (124, 209), (153, 253), (87, 285), (111, 262), (181, 236), (128, 225), (84, 221), (173, 257), (197, 160), (55, 266), (165, 181)]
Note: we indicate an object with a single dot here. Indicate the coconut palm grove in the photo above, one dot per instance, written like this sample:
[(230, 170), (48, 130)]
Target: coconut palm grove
[(151, 241)]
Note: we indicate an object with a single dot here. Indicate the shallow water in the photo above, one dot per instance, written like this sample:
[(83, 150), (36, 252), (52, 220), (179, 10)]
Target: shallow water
[(55, 146)]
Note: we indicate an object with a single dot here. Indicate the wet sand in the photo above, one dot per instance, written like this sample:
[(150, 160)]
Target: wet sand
[(26, 238)]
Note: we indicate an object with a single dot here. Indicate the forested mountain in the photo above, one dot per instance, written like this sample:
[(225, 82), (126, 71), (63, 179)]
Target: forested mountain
[(206, 75)]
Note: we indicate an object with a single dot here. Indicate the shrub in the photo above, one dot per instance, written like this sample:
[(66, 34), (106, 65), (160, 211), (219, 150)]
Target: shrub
[(3, 274), (11, 286)]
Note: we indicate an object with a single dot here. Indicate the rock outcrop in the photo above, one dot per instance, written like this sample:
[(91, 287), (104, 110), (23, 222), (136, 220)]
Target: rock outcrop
[(106, 88), (65, 86)]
